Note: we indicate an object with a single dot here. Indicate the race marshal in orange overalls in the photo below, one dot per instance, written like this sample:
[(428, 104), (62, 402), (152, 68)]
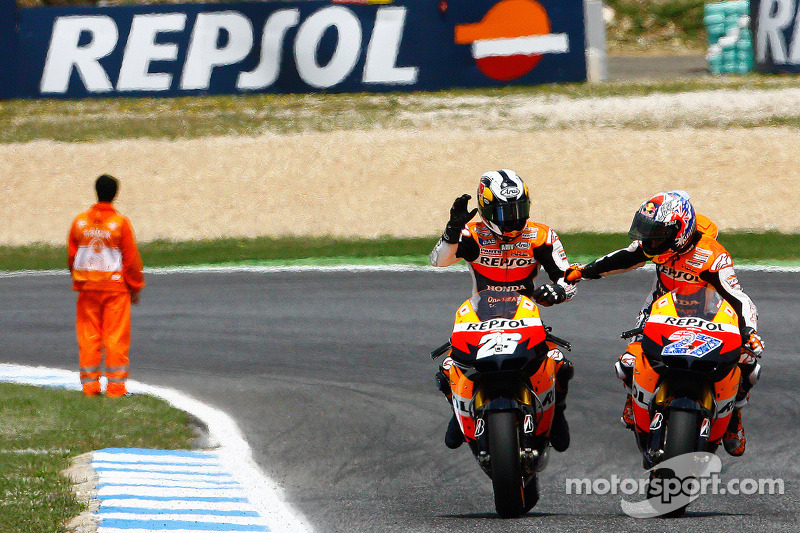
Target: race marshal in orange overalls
[(106, 271)]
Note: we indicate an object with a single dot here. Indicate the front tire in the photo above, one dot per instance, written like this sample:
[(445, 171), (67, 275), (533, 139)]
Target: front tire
[(681, 438), (509, 500), (681, 434)]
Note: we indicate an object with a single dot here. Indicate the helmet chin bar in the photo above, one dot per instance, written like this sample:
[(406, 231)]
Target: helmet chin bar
[(652, 251), (499, 233), (664, 256), (509, 238)]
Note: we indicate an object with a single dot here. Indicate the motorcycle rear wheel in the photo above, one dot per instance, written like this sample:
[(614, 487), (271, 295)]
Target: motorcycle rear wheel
[(509, 499)]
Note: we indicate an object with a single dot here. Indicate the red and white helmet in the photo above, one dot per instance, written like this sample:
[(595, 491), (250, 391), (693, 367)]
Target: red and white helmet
[(665, 225), (504, 203)]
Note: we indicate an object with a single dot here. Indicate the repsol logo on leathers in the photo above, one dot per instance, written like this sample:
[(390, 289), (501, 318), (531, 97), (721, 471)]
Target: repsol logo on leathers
[(499, 323), (679, 275), (213, 40), (506, 261)]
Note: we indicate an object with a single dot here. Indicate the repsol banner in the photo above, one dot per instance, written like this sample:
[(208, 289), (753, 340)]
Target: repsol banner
[(301, 46), (776, 35)]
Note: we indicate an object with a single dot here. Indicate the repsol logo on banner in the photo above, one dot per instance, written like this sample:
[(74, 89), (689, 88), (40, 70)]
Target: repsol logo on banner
[(184, 51), (295, 46), (777, 34)]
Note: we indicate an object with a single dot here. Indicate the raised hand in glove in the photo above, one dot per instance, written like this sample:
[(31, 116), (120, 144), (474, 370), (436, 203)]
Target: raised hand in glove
[(459, 216), (752, 341), (549, 294)]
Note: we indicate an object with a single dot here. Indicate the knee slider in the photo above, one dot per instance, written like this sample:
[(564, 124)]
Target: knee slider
[(624, 365), (624, 369), (755, 375)]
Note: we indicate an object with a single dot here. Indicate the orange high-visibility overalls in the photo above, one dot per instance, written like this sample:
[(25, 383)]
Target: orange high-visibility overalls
[(106, 269)]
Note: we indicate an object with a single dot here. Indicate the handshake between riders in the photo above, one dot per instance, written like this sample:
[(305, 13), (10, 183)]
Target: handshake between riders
[(505, 251)]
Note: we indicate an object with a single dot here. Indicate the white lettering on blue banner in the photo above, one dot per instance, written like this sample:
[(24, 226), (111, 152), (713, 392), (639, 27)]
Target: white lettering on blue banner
[(134, 74), (775, 17), (79, 43)]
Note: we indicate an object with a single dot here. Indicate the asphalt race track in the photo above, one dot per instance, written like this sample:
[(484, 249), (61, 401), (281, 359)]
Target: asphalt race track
[(328, 375)]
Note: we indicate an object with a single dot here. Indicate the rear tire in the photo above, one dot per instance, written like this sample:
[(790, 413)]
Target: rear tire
[(509, 498)]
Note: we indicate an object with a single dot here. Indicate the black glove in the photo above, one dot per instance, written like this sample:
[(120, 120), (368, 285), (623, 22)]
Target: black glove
[(549, 294), (459, 216)]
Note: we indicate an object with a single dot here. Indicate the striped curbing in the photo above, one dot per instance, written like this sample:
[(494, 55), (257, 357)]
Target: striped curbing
[(169, 490), (180, 491)]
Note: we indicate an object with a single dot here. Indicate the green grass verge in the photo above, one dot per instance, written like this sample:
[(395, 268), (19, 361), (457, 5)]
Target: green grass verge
[(766, 247), (667, 23), (42, 428), (255, 114)]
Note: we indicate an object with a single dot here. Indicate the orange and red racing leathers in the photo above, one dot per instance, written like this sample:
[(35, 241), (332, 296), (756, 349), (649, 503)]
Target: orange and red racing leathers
[(512, 266), (106, 270), (706, 262), (500, 265)]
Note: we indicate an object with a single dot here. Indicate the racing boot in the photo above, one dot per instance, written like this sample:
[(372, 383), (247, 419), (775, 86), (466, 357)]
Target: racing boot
[(733, 440), (627, 413), (559, 431), (454, 437), (624, 370)]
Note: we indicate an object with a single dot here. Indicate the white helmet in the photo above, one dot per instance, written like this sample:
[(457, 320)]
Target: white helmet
[(504, 203)]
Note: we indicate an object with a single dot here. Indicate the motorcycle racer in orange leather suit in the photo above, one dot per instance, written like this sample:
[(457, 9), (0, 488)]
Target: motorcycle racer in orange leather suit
[(506, 251), (683, 246)]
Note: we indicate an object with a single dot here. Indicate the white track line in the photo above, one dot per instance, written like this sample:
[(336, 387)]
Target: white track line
[(211, 269)]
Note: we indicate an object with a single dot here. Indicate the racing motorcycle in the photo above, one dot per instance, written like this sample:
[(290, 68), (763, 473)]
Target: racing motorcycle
[(685, 377), (501, 369)]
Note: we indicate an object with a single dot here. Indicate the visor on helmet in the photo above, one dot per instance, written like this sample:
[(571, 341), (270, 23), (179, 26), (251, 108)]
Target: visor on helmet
[(508, 216), (656, 237)]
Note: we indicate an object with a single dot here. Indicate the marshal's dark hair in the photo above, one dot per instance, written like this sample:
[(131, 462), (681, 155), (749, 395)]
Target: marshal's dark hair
[(106, 187)]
